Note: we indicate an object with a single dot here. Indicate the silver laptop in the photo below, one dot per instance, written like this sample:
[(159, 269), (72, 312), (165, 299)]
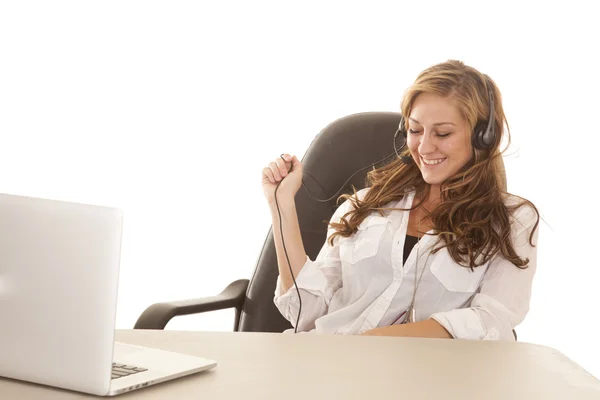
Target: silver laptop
[(59, 270)]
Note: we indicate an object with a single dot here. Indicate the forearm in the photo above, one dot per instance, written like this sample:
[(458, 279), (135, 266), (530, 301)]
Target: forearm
[(426, 329), (291, 237)]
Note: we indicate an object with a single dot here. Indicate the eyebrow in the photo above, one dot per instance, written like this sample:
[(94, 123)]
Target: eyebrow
[(436, 124)]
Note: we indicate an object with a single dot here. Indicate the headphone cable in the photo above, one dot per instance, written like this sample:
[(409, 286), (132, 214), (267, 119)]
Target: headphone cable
[(404, 159)]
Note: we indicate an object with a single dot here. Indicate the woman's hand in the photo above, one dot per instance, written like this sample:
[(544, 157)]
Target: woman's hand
[(378, 332), (279, 171), (429, 328)]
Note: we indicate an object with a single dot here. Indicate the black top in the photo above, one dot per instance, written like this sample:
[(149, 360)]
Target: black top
[(409, 243)]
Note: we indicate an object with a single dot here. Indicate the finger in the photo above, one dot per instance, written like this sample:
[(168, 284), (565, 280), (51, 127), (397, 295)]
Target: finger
[(295, 161), (283, 166), (269, 174), (288, 160), (275, 170)]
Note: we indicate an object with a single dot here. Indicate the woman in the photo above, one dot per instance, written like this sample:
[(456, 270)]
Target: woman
[(431, 248)]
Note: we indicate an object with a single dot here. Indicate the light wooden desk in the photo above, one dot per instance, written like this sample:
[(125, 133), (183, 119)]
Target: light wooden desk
[(306, 366)]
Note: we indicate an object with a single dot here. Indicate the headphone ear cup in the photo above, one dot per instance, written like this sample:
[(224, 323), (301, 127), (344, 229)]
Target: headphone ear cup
[(477, 135), (483, 138)]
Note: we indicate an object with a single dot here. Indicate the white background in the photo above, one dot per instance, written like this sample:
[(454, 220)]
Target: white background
[(169, 110)]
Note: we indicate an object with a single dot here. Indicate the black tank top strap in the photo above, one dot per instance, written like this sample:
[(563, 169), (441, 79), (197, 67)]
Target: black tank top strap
[(409, 243)]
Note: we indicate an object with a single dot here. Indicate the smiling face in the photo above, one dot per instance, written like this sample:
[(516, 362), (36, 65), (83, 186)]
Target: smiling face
[(439, 139)]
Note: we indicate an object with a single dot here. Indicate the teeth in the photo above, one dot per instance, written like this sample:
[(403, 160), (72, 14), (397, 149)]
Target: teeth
[(433, 162)]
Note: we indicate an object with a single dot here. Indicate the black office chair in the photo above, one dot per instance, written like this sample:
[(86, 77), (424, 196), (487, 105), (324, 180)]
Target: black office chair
[(339, 150)]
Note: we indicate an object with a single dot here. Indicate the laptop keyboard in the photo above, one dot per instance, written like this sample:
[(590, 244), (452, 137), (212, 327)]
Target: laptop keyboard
[(121, 370)]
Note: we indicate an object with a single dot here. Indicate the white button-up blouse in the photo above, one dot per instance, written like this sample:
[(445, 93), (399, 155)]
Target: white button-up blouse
[(360, 282)]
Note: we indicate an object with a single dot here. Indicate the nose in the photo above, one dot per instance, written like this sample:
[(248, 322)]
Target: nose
[(427, 144)]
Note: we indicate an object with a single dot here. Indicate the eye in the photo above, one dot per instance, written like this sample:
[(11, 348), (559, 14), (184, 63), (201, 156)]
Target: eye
[(443, 135), (413, 132)]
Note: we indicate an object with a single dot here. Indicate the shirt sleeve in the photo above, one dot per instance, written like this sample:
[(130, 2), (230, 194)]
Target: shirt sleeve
[(317, 282), (503, 300)]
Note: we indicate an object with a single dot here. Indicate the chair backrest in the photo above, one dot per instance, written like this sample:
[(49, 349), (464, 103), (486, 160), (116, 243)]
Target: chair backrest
[(338, 151)]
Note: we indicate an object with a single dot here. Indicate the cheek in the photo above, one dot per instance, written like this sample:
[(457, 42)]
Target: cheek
[(412, 145), (457, 150)]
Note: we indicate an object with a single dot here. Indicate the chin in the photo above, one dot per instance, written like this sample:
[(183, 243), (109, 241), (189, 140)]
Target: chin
[(435, 179), (435, 182)]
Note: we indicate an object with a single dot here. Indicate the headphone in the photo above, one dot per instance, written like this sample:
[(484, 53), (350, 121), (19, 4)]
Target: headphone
[(481, 139)]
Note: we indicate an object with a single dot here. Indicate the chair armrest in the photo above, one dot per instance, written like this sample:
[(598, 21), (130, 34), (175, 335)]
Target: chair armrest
[(158, 315)]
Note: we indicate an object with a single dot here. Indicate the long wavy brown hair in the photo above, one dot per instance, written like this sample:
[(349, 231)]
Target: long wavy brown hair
[(472, 220)]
